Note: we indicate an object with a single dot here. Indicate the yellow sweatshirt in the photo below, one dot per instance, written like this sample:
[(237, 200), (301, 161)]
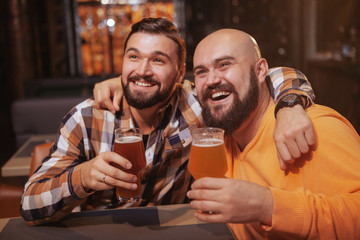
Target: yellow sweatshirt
[(316, 198)]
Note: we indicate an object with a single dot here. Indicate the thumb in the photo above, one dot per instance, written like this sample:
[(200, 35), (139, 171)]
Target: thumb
[(116, 101)]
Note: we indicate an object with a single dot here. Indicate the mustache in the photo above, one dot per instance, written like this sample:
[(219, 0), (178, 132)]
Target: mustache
[(138, 78), (218, 88)]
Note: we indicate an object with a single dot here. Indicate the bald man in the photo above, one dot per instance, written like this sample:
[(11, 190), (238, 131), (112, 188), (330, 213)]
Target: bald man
[(317, 197)]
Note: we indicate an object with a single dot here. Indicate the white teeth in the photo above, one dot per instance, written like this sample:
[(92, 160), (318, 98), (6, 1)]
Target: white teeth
[(143, 84), (219, 94)]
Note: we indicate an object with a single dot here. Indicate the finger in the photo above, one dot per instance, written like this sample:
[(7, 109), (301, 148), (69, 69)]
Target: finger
[(116, 101), (112, 170), (205, 206), (207, 211), (107, 104), (103, 102), (208, 183), (117, 173), (96, 94), (102, 98), (109, 180), (210, 218), (204, 194), (302, 143), (95, 181), (310, 136), (281, 161), (115, 166), (112, 157), (293, 149), (283, 152)]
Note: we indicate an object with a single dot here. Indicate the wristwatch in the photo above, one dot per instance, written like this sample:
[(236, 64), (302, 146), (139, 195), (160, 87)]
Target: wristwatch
[(289, 100)]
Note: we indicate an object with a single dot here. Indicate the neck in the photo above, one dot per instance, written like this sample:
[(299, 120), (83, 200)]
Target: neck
[(247, 131), (145, 118)]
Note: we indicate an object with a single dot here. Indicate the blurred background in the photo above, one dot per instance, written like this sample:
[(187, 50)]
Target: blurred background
[(59, 49)]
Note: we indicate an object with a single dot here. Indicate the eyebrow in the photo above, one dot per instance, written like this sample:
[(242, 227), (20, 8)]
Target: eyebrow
[(216, 60), (154, 53)]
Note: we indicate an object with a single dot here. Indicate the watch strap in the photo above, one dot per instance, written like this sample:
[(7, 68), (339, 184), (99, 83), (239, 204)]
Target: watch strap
[(297, 100)]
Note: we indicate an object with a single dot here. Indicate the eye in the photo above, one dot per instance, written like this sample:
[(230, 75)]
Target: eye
[(224, 65), (159, 60), (200, 73), (132, 56)]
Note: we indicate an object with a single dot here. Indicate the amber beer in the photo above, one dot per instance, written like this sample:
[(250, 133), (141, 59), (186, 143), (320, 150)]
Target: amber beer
[(207, 156), (130, 146)]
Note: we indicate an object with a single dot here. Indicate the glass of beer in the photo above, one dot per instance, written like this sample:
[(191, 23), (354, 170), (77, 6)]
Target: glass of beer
[(129, 144), (207, 156)]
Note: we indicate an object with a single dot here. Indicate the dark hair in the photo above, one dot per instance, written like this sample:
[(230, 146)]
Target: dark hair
[(160, 26)]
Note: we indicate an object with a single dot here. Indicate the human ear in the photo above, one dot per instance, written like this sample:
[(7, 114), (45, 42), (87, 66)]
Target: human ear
[(181, 73), (261, 69)]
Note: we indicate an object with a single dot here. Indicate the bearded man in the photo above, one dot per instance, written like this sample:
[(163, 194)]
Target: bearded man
[(318, 197)]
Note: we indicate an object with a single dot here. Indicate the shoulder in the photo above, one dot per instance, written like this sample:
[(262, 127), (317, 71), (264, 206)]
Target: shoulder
[(88, 105), (327, 115), (331, 125), (78, 110), (85, 109)]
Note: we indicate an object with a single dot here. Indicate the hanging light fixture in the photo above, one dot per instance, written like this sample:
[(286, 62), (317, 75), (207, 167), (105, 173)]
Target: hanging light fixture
[(123, 2)]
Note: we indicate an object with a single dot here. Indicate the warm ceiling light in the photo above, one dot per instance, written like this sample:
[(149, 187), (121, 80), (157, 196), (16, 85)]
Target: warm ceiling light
[(123, 2)]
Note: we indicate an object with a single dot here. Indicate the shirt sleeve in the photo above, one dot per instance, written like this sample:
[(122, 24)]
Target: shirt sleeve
[(55, 189), (283, 80), (330, 208)]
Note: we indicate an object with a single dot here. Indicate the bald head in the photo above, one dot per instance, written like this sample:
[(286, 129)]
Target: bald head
[(229, 41), (230, 79)]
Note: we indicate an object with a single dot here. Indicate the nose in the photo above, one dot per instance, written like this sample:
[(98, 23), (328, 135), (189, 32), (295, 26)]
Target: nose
[(144, 68), (213, 79)]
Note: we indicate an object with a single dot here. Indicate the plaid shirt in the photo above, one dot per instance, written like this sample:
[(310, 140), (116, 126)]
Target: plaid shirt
[(55, 189)]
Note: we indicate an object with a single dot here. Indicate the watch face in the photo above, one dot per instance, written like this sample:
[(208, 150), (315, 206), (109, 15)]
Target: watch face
[(289, 98)]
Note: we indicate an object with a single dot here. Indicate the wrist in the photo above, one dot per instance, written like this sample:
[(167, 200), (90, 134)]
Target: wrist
[(267, 208), (83, 183), (290, 100), (77, 185)]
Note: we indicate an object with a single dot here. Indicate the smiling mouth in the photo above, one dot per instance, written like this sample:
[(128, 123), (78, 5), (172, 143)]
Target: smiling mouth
[(143, 84), (216, 96)]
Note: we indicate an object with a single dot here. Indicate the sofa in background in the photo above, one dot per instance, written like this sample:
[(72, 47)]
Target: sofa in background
[(33, 116)]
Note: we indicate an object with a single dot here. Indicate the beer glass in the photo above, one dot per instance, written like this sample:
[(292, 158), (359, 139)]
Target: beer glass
[(207, 155), (128, 144)]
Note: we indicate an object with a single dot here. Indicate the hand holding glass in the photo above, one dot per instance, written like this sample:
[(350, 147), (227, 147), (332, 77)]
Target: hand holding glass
[(207, 156), (128, 144)]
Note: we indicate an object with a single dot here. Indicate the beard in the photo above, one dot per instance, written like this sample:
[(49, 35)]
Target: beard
[(141, 100), (239, 110)]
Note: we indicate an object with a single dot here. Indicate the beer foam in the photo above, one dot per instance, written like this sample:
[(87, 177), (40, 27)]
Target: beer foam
[(128, 139), (208, 142)]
